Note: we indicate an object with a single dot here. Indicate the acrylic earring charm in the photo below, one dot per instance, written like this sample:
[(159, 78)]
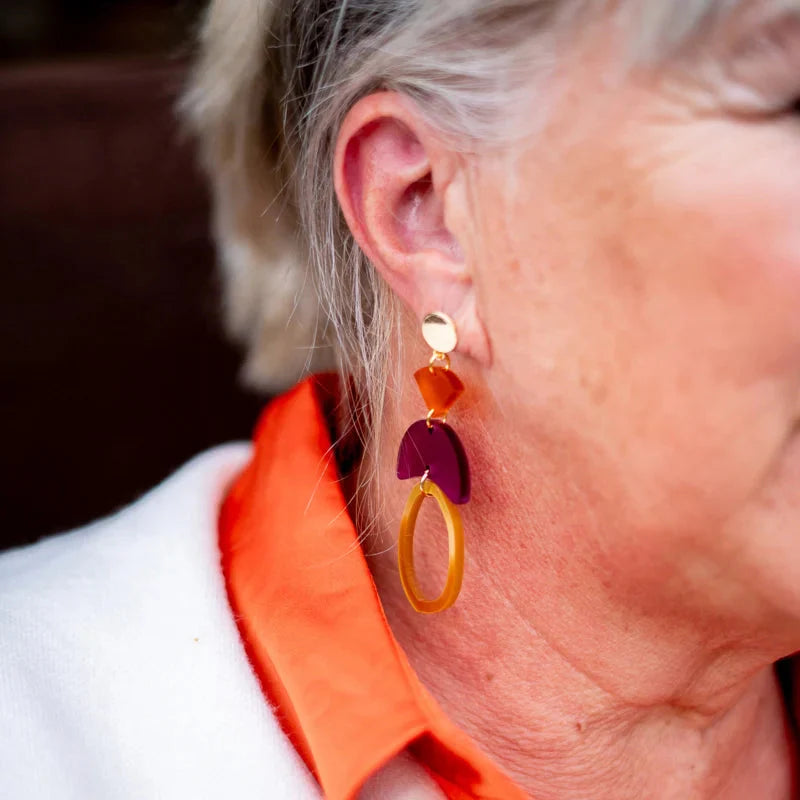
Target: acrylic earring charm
[(431, 451)]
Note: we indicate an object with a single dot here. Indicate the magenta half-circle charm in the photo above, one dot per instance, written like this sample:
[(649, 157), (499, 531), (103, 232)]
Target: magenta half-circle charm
[(439, 450)]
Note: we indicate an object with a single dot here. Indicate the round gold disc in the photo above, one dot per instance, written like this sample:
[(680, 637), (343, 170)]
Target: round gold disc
[(439, 331)]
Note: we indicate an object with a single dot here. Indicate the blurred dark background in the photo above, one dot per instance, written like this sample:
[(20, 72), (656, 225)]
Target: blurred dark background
[(114, 366)]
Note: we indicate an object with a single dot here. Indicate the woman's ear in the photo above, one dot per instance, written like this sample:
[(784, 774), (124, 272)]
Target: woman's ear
[(402, 193)]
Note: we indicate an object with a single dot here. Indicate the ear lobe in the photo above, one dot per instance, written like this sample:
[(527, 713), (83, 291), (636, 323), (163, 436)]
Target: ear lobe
[(397, 185)]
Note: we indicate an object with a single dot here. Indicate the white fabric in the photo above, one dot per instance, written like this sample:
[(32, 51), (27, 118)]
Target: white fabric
[(122, 673)]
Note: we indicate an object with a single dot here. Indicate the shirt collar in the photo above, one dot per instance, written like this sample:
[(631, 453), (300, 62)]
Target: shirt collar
[(312, 622)]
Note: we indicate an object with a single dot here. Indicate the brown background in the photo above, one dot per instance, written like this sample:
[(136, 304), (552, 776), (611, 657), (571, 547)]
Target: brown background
[(114, 367)]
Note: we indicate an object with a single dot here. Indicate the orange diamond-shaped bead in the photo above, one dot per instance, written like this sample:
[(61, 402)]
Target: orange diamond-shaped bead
[(440, 388)]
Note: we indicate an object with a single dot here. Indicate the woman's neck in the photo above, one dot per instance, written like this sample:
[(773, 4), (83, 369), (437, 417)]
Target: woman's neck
[(559, 734), (570, 694)]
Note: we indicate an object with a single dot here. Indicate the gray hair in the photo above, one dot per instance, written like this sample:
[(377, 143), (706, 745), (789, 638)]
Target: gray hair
[(272, 84)]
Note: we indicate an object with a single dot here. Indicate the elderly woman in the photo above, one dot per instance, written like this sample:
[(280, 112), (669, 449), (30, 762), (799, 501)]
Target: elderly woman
[(572, 229)]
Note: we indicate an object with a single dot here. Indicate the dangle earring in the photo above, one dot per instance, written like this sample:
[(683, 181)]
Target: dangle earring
[(431, 451)]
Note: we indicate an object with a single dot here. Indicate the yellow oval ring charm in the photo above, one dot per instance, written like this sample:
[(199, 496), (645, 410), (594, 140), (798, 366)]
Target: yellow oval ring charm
[(405, 548)]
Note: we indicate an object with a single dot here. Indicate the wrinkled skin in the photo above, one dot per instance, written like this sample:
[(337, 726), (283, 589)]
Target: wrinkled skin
[(626, 285)]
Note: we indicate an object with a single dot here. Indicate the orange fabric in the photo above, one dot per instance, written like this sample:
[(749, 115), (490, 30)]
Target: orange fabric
[(312, 622)]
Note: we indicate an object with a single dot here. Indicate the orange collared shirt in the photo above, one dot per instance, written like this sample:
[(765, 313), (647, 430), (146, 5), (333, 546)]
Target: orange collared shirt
[(312, 623)]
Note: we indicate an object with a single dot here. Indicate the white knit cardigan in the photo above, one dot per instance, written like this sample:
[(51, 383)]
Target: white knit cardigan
[(122, 673)]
